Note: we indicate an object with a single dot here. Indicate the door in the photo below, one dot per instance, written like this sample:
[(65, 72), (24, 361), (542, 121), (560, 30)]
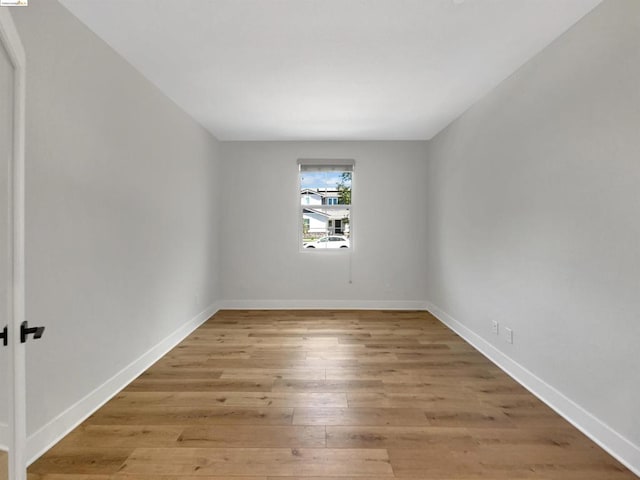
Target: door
[(6, 156), (6, 144), (12, 351)]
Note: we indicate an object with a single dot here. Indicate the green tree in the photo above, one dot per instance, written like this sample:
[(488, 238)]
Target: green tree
[(344, 189)]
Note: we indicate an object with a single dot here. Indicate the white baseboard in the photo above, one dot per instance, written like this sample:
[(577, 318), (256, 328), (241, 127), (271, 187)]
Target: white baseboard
[(323, 305), (4, 437), (47, 436), (618, 446)]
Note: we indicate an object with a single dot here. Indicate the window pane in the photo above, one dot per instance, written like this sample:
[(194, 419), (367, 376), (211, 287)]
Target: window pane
[(323, 226), (325, 188), (325, 199)]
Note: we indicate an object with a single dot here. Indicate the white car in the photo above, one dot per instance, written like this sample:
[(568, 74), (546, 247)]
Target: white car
[(332, 241)]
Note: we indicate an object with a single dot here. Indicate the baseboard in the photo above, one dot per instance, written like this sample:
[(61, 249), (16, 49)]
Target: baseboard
[(323, 305), (47, 436), (4, 437), (615, 444)]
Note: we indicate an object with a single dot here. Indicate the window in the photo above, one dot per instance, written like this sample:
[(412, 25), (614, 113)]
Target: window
[(325, 203)]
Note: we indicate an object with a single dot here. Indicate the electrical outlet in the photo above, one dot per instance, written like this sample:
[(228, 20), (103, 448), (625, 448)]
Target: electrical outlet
[(495, 327), (508, 333)]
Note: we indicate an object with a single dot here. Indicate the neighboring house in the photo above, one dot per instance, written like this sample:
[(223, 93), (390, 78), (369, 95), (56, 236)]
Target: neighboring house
[(323, 196), (319, 221)]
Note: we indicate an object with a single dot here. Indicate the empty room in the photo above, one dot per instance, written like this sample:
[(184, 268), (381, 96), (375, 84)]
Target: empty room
[(320, 239)]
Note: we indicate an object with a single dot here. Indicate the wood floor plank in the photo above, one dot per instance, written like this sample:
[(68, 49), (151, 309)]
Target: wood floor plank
[(367, 477), (157, 372), (359, 416), (253, 436), (66, 476), (287, 385), (539, 435), (119, 436), (410, 400), (198, 385), (275, 341), (395, 372), (398, 437), (153, 415), (279, 363), (315, 373), (468, 416), (325, 395), (239, 399), (82, 460), (126, 476), (439, 386), (437, 461), (259, 461)]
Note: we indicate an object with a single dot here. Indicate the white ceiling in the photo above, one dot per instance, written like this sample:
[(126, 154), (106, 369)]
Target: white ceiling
[(327, 69)]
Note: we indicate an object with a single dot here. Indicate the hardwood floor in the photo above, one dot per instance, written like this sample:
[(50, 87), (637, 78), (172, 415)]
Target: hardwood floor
[(320, 395), (4, 467)]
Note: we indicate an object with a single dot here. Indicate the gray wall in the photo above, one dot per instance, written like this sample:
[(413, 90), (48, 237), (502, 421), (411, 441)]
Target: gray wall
[(121, 211), (532, 207), (262, 263)]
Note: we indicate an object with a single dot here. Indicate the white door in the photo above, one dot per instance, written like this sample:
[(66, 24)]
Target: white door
[(6, 155), (12, 420)]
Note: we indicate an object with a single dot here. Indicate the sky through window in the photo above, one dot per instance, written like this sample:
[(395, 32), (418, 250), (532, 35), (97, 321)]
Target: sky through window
[(322, 180)]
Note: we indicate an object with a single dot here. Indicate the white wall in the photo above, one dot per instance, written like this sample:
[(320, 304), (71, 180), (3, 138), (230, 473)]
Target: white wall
[(533, 217), (262, 264), (122, 216)]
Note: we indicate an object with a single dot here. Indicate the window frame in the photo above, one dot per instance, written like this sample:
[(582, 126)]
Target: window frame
[(350, 165)]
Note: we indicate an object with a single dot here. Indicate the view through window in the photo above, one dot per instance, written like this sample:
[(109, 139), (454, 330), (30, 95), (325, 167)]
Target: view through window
[(325, 203)]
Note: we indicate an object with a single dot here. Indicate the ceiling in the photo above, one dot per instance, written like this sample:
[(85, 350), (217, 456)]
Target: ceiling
[(327, 69)]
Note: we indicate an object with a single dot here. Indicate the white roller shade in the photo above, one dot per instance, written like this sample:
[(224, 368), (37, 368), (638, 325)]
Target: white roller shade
[(326, 165)]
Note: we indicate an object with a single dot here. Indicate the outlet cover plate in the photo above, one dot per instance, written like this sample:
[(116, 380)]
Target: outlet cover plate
[(495, 327), (508, 335)]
